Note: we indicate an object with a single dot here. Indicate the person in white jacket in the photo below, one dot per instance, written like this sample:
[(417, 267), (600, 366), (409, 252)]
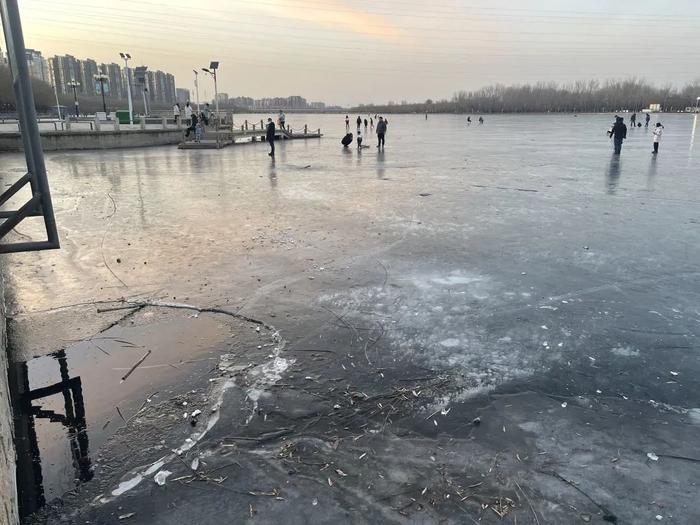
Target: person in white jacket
[(176, 113), (658, 131)]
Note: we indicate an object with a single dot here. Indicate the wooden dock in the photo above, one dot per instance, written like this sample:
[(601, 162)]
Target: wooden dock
[(217, 139)]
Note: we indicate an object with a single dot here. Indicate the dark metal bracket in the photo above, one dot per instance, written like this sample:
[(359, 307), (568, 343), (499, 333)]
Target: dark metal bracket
[(39, 205)]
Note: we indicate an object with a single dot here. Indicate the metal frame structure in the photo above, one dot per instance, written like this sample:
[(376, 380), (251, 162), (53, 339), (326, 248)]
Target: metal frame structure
[(40, 204)]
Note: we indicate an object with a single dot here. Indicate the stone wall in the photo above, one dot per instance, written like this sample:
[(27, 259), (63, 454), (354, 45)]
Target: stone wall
[(8, 484), (81, 140)]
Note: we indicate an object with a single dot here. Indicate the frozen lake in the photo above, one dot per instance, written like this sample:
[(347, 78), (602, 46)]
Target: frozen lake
[(520, 254)]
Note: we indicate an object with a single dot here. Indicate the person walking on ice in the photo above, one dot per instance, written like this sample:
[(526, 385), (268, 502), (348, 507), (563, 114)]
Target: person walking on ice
[(618, 133), (646, 121), (658, 131), (270, 136), (381, 130), (176, 113), (347, 124)]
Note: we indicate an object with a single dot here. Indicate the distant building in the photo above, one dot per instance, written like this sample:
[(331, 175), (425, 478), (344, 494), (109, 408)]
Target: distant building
[(65, 68), (161, 87), (88, 70), (37, 64), (222, 98), (296, 102), (117, 81), (183, 95), (317, 105)]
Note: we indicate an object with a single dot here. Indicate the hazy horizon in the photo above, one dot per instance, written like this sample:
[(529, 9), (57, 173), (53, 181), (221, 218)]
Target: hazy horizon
[(359, 51)]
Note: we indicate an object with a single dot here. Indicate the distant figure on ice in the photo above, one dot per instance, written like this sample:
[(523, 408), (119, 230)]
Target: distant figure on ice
[(281, 119), (371, 123), (359, 139), (646, 123), (193, 123), (381, 131), (658, 131), (198, 131), (469, 121), (176, 113), (206, 114), (270, 136), (365, 125), (426, 115), (347, 124), (618, 133), (481, 120), (359, 122), (633, 120)]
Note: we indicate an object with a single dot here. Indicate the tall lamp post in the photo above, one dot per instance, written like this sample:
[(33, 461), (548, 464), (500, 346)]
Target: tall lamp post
[(101, 79), (55, 91), (213, 66), (75, 85), (126, 57), (196, 87)]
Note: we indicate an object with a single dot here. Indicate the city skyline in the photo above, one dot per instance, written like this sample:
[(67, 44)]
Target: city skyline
[(355, 52), (76, 76)]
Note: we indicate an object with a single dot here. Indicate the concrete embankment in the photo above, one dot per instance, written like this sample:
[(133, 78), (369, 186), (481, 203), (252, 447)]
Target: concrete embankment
[(81, 140), (8, 487)]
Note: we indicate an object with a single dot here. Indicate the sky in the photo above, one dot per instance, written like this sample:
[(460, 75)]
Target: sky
[(349, 52)]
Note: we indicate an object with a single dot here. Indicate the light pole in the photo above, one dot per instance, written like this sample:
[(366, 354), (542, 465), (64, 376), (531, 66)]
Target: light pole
[(213, 66), (196, 87), (55, 91), (126, 57), (101, 79), (75, 85)]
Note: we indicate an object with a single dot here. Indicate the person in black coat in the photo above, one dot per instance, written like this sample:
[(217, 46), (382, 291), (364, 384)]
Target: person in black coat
[(193, 125), (618, 133), (270, 136)]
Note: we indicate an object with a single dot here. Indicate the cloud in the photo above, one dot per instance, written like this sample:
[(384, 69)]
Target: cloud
[(334, 14)]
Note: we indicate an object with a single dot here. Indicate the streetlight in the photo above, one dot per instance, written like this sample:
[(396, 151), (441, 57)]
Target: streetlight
[(101, 79), (126, 57), (75, 85), (213, 66), (55, 91), (196, 87)]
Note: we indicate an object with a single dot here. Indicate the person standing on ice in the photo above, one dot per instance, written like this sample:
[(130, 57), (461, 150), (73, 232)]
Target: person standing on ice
[(381, 131), (270, 136), (658, 131), (618, 133)]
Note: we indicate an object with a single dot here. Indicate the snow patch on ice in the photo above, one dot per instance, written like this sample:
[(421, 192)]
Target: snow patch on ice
[(625, 351)]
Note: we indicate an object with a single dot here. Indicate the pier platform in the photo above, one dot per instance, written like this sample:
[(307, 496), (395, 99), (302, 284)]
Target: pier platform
[(217, 139)]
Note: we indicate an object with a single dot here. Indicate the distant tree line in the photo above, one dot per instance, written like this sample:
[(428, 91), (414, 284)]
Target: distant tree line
[(543, 97), (43, 94)]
